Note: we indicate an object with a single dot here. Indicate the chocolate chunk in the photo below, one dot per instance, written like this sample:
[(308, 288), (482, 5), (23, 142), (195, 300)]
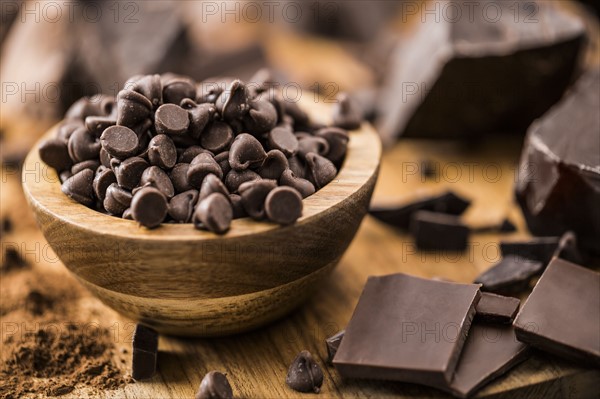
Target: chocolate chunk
[(133, 108), (253, 195), (181, 206), (304, 187), (158, 178), (80, 188), (332, 344), (538, 249), (261, 118), (439, 232), (162, 152), (145, 352), (568, 249), (214, 385), (506, 226), (171, 119), (304, 374), (338, 142), (496, 309), (175, 90), (200, 116), (148, 85), (212, 184), (346, 114), (510, 276), (246, 152), (119, 142), (214, 213), (415, 345), (202, 165), (400, 215), (54, 153), (309, 143), (283, 139), (179, 178), (283, 205), (321, 171), (129, 172), (149, 207), (83, 146), (116, 199), (561, 314), (97, 124), (560, 162), (274, 165), (102, 181), (217, 137), (233, 102), (237, 206)]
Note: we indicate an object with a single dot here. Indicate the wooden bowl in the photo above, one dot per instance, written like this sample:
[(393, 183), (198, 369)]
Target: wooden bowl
[(183, 281)]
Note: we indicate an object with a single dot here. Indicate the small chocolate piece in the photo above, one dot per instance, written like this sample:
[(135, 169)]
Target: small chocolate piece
[(246, 152), (510, 276), (97, 124), (129, 172), (399, 330), (158, 178), (200, 116), (284, 140), (187, 155), (561, 315), (214, 213), (119, 142), (171, 119), (332, 344), (217, 137), (102, 181), (321, 171), (214, 385), (89, 106), (233, 102), (181, 206), (439, 232), (133, 108), (104, 158), (80, 187), (83, 146), (149, 207), (298, 166), (338, 142), (253, 195), (127, 214), (538, 249), (292, 109), (400, 215), (261, 118), (145, 351), (212, 184), (567, 248), (223, 161), (283, 205), (54, 153), (175, 90), (179, 178), (308, 144), (346, 114), (200, 167), (496, 309), (428, 169), (304, 374), (237, 206), (90, 164), (304, 187), (116, 199), (274, 165), (506, 226), (162, 152), (148, 85)]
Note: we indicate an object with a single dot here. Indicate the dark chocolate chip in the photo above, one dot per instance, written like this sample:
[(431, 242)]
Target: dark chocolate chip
[(202, 165), (304, 374), (321, 170), (212, 184), (261, 118), (181, 206), (149, 207), (223, 161), (64, 175), (274, 165), (314, 144), (54, 153), (130, 171), (298, 166), (217, 137), (127, 214), (214, 385), (246, 152), (345, 113), (67, 128), (190, 153), (162, 152), (214, 213), (148, 85), (284, 140), (116, 199), (237, 206), (103, 179), (283, 205), (133, 108), (303, 186), (120, 142), (439, 232), (233, 102), (200, 116), (253, 195), (171, 119), (97, 124), (300, 117), (338, 142), (80, 188), (105, 158), (158, 178), (90, 164), (145, 353), (175, 90), (179, 178), (235, 178), (90, 106), (83, 146)]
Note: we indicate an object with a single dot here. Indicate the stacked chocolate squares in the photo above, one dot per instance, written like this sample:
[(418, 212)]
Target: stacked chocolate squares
[(168, 149)]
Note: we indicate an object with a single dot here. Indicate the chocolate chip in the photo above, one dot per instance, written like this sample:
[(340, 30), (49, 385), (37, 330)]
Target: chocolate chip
[(97, 124), (233, 102), (200, 116), (181, 206), (297, 166), (54, 153), (127, 214), (171, 119), (64, 175), (235, 178), (217, 136), (12, 260), (90, 106), (321, 170), (214, 213), (304, 374), (119, 142), (67, 128), (338, 142), (283, 139), (79, 187), (175, 90), (116, 199), (90, 164), (317, 145), (223, 161), (283, 205), (179, 178), (83, 146), (274, 165), (214, 385), (148, 85), (346, 113), (133, 108), (246, 152), (202, 165), (261, 118), (300, 117), (191, 152), (212, 184), (208, 91), (158, 178), (303, 186), (253, 195), (103, 179), (104, 158), (130, 171), (149, 207), (162, 152), (237, 206), (145, 352)]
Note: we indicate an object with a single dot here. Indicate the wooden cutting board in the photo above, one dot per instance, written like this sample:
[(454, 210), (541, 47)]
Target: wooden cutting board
[(256, 363)]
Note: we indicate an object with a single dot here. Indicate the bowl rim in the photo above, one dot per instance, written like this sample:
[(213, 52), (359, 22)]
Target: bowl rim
[(43, 192)]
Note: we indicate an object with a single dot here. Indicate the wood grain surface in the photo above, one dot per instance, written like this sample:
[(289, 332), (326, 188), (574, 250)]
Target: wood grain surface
[(257, 362)]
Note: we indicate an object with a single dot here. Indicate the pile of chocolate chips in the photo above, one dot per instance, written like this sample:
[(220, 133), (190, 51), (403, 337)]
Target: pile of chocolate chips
[(168, 149)]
